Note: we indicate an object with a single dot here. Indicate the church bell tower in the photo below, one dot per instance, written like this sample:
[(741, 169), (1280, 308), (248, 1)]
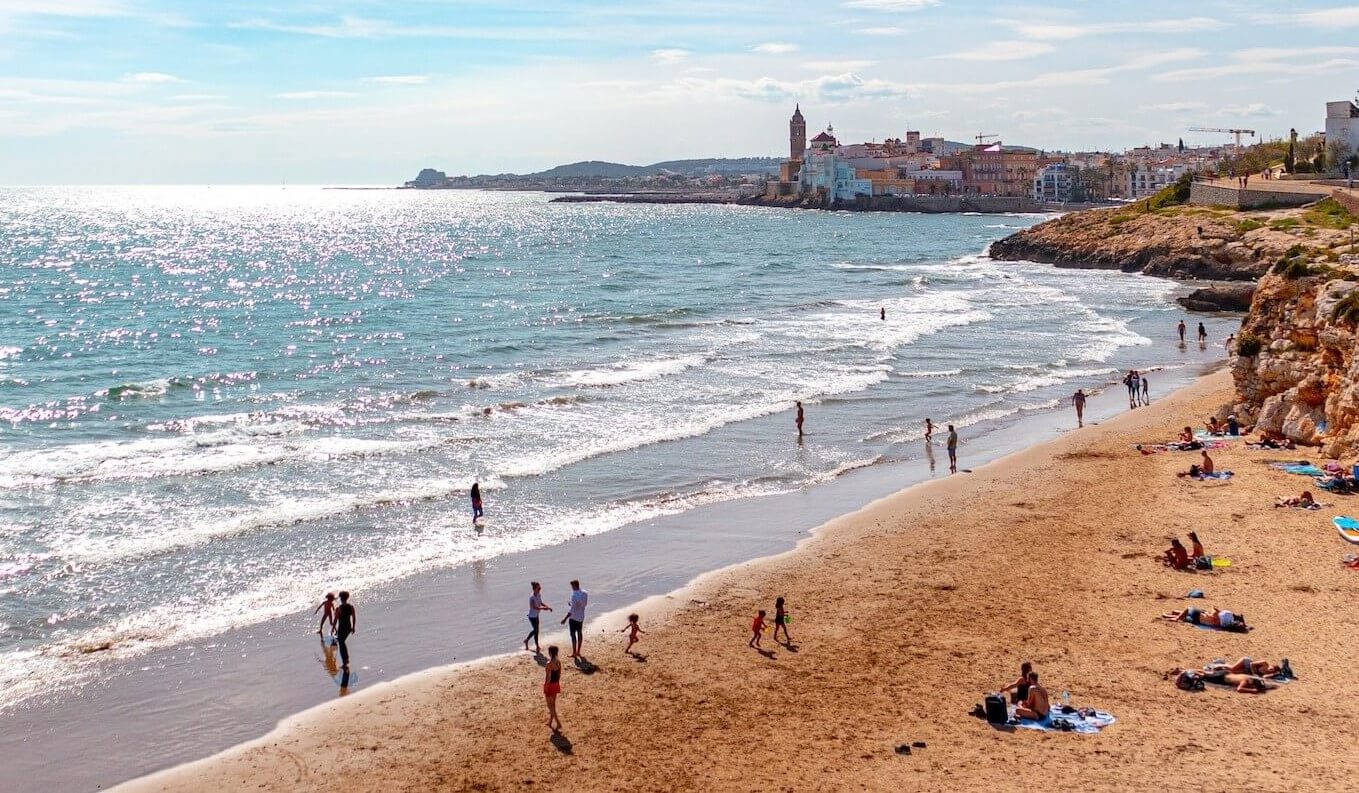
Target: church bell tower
[(797, 134)]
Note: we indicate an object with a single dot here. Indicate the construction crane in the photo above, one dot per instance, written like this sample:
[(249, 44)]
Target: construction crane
[(982, 138), (1237, 132)]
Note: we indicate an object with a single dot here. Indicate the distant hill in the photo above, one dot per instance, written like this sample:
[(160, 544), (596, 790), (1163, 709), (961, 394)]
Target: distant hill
[(613, 170)]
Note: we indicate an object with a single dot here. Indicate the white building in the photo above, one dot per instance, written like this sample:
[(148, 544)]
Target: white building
[(1342, 124), (1054, 182), (1146, 180), (823, 170)]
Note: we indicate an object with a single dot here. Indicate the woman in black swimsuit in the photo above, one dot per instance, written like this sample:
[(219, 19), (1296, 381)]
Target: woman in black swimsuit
[(1020, 686)]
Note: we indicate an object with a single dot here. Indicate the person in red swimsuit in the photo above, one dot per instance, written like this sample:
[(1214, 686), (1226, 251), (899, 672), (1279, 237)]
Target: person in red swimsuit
[(552, 686), (757, 630), (1176, 556)]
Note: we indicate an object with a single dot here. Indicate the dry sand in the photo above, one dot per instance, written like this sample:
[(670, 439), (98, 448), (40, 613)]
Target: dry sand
[(904, 613)]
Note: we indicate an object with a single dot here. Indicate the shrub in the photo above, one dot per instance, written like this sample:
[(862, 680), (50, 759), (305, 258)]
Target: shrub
[(1328, 213), (1347, 310), (1249, 224), (1283, 224), (1172, 195), (1248, 345)]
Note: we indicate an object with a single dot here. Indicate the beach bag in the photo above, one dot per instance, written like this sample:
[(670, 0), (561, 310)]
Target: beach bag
[(996, 710), (1193, 470), (1189, 681)]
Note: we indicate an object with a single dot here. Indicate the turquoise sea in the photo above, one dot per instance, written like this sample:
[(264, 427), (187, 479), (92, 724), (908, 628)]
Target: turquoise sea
[(217, 404)]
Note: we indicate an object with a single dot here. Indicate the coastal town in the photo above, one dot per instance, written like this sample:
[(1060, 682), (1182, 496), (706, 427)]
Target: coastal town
[(825, 171)]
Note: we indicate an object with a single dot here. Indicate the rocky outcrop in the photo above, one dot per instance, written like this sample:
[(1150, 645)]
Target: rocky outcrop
[(1219, 297), (1295, 365), (1183, 242)]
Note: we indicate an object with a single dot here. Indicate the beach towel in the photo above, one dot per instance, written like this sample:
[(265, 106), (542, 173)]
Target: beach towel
[(1300, 469), (1205, 435), (1216, 475), (1082, 720)]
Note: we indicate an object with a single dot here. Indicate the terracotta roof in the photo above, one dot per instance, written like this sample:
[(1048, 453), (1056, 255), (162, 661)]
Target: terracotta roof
[(822, 137)]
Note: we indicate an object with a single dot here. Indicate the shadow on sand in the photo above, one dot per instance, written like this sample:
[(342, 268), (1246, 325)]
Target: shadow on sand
[(562, 743), (584, 665)]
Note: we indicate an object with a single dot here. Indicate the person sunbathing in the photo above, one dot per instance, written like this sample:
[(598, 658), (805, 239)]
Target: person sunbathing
[(1196, 548), (1304, 501), (1215, 618), (1035, 706), (1206, 466), (1245, 683), (1187, 435), (1176, 556), (1213, 427), (1246, 666), (1020, 686)]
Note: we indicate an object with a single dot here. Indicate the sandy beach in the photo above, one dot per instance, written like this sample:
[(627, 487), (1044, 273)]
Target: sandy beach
[(904, 613)]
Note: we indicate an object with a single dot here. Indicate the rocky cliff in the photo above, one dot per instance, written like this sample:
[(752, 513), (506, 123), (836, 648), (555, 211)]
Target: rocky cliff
[(1296, 365), (1176, 242)]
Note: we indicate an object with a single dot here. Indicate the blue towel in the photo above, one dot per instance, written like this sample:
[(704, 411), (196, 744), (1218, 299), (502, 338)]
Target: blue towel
[(1302, 470), (1093, 722)]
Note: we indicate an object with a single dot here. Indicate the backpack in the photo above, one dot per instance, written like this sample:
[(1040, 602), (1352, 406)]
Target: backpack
[(1189, 681), (996, 710)]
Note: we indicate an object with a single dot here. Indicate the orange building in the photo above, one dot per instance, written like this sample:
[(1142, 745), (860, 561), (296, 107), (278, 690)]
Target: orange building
[(995, 170)]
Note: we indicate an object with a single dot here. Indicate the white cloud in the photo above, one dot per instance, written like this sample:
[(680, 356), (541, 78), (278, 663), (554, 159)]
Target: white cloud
[(352, 27), (891, 5), (196, 97), (1272, 68), (152, 78), (1065, 31), (884, 31), (314, 94), (1174, 107), (830, 88), (1346, 17), (1252, 110), (774, 48), (669, 56), (838, 66), (1002, 51), (64, 8), (399, 79)]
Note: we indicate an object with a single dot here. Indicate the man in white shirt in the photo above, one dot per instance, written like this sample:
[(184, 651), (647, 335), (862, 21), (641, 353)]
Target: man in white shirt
[(576, 617)]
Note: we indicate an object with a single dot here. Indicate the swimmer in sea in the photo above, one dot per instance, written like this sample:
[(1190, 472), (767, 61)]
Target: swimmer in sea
[(799, 419)]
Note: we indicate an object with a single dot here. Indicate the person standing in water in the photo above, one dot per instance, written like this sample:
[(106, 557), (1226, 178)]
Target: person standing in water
[(1146, 391), (552, 686), (1181, 329), (799, 418), (348, 625), (576, 616), (1203, 334), (477, 510), (952, 450), (1078, 400), (929, 430), (882, 313), (536, 607)]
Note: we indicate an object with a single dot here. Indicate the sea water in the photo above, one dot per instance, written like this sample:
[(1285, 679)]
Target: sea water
[(217, 404)]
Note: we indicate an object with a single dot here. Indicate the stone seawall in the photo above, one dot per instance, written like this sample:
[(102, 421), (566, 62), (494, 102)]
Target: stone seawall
[(1203, 194), (922, 204)]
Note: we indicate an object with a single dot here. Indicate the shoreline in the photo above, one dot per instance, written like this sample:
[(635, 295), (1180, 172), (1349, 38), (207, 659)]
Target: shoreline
[(196, 719), (420, 735)]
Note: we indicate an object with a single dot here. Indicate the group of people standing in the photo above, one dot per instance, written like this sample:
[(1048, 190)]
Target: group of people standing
[(552, 669), (1203, 333), (1139, 389)]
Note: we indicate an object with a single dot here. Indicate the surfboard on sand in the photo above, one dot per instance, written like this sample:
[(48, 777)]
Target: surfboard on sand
[(1348, 528)]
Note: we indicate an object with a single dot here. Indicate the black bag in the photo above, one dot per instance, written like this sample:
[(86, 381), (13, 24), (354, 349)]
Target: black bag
[(996, 711)]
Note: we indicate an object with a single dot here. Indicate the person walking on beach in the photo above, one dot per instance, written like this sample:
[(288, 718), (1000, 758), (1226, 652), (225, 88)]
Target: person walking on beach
[(1078, 400), (536, 606), (575, 615), (757, 630), (348, 625), (635, 627), (798, 420), (1132, 389), (781, 620), (1146, 390), (552, 686), (327, 609), (952, 450), (477, 510), (1203, 334), (1181, 329), (929, 430)]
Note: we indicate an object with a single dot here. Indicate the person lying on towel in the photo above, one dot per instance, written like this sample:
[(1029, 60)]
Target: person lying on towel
[(1215, 618)]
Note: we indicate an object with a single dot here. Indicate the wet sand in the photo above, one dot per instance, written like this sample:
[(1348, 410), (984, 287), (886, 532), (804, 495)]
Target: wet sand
[(904, 613)]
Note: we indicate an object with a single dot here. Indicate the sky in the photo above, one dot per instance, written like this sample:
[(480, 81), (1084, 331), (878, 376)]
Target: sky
[(370, 91)]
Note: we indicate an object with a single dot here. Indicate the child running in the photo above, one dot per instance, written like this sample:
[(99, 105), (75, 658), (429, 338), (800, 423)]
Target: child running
[(635, 629), (327, 609), (929, 430), (757, 630)]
